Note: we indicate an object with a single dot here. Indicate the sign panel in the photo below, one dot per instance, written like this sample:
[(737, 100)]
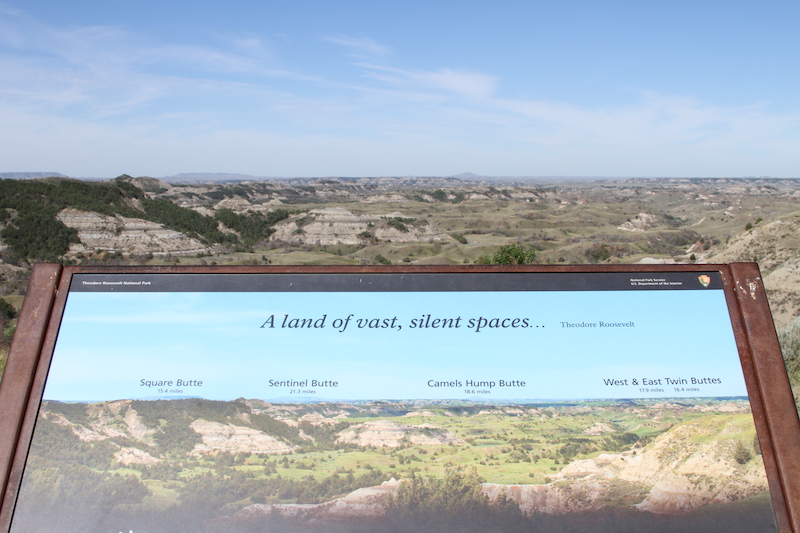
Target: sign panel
[(396, 401)]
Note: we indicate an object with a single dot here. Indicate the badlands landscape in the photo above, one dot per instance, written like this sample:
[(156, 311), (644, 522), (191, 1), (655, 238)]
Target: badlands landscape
[(403, 221), (250, 465), (244, 465)]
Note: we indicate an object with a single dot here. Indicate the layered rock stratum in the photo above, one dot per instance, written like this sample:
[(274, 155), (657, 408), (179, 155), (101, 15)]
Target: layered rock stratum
[(338, 226), (127, 235)]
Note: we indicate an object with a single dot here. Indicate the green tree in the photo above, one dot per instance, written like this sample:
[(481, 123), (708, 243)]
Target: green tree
[(510, 254), (454, 503)]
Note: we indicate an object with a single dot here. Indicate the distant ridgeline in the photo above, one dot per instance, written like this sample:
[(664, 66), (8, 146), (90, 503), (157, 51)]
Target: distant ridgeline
[(32, 232)]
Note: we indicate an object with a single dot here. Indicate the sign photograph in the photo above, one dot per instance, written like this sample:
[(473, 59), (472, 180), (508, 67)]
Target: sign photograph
[(602, 401)]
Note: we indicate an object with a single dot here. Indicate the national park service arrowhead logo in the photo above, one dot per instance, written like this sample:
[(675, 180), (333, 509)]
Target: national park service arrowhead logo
[(704, 280)]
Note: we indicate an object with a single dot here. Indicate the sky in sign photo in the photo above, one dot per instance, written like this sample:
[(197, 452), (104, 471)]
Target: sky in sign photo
[(543, 345), (95, 88)]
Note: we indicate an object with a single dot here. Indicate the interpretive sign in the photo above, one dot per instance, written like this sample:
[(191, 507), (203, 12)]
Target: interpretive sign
[(386, 399)]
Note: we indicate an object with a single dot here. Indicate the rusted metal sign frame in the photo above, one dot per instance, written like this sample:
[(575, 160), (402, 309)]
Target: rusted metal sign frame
[(768, 387)]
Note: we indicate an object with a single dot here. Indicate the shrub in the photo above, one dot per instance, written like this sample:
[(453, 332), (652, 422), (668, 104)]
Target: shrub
[(510, 254)]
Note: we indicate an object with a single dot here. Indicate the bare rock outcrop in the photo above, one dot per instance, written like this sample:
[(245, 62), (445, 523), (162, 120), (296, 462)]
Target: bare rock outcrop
[(336, 225), (381, 433), (546, 499), (641, 222), (129, 456), (235, 204), (317, 419), (82, 432), (231, 438), (598, 429), (126, 235), (106, 421)]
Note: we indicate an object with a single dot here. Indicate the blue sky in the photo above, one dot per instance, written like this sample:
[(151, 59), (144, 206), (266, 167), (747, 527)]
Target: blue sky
[(110, 342), (364, 88)]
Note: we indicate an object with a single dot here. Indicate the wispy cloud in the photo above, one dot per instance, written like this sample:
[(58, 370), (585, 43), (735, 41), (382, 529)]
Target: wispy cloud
[(476, 85), (106, 70), (473, 102), (652, 119), (98, 97), (359, 46)]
